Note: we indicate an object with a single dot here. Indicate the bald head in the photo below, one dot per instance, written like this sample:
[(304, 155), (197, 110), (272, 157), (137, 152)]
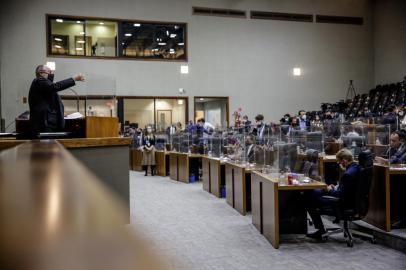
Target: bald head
[(42, 71)]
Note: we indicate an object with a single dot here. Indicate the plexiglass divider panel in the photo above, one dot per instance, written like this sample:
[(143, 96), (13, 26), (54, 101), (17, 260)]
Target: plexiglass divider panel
[(161, 140)]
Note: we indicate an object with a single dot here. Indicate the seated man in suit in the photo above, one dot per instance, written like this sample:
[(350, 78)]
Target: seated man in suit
[(397, 152), (345, 191)]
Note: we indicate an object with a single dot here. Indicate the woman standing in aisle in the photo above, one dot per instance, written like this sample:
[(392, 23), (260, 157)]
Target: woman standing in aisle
[(148, 151)]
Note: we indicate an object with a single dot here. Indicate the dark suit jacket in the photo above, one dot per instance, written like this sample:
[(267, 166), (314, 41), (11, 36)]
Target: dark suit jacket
[(347, 189), (46, 108)]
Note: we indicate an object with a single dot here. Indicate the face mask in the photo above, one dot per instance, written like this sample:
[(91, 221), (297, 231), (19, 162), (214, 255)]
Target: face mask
[(51, 77), (304, 117)]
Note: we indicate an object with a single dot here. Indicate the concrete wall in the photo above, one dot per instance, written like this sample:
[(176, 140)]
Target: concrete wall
[(390, 41), (249, 60)]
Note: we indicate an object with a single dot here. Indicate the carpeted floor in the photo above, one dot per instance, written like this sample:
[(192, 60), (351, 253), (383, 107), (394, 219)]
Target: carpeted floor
[(191, 229)]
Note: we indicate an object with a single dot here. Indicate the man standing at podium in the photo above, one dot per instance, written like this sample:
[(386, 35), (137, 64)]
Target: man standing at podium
[(46, 107)]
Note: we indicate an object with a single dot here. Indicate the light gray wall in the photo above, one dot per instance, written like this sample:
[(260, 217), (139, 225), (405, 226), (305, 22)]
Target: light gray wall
[(390, 41), (249, 60)]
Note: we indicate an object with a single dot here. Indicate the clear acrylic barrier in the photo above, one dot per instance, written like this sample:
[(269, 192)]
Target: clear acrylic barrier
[(353, 137), (161, 140), (100, 95)]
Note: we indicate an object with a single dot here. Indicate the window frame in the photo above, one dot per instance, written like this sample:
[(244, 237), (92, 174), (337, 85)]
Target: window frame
[(118, 56)]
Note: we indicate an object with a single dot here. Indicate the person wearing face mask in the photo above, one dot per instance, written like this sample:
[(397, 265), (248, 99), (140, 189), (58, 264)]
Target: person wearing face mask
[(345, 191), (46, 107), (148, 151), (303, 123), (261, 130)]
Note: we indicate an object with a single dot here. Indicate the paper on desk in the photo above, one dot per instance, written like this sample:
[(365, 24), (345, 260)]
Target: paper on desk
[(75, 115)]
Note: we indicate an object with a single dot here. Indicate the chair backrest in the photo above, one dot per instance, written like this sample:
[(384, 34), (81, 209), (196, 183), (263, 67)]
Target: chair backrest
[(366, 162)]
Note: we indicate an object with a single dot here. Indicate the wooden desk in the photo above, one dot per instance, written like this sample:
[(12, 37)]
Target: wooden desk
[(381, 199), (270, 201), (136, 159), (238, 187), (179, 165), (55, 214), (162, 163), (213, 175)]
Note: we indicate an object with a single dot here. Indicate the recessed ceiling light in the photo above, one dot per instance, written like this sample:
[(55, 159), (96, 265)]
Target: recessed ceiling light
[(78, 22), (81, 41), (167, 33), (128, 34), (161, 43), (297, 71), (201, 99), (51, 65), (184, 69), (181, 44), (173, 35), (59, 20), (58, 39), (79, 49), (101, 23), (137, 24), (57, 46)]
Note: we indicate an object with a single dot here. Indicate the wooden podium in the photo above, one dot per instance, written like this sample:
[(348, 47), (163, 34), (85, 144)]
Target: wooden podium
[(86, 127), (101, 127)]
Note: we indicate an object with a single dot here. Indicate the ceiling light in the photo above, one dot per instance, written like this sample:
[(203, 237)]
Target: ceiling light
[(201, 99), (137, 24), (101, 23), (172, 52), (58, 39), (180, 101), (184, 69), (128, 34), (51, 65), (161, 43), (78, 22), (57, 46), (181, 44), (176, 27), (297, 71), (122, 43), (59, 20), (167, 33), (79, 49), (81, 33), (173, 35), (81, 41), (182, 91)]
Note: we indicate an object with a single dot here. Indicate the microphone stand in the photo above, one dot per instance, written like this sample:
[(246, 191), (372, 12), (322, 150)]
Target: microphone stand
[(77, 98)]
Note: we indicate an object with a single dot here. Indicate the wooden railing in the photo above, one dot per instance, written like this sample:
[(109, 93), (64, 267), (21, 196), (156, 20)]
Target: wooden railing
[(55, 214)]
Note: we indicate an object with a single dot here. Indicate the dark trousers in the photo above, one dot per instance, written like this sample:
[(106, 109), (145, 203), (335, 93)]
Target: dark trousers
[(316, 206)]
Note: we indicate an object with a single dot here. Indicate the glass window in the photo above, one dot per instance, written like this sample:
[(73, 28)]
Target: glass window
[(168, 112), (73, 36), (102, 35), (79, 37), (153, 40), (101, 107), (63, 33), (213, 109), (139, 111)]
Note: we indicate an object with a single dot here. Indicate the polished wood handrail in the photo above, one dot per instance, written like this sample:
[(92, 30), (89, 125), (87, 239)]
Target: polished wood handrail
[(55, 214)]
